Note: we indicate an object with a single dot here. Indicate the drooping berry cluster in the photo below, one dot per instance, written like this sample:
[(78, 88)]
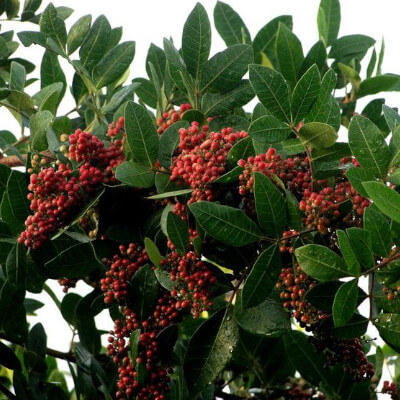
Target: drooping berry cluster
[(202, 158), (56, 191), (293, 172), (392, 389), (193, 281), (148, 376), (121, 269), (348, 352), (294, 284), (67, 283), (170, 117), (327, 207)]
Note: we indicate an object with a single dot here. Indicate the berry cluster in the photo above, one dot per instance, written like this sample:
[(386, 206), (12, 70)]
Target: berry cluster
[(121, 269), (299, 391), (391, 294), (294, 284), (67, 283), (327, 207), (202, 158), (193, 280), (348, 352), (146, 376), (392, 389), (293, 172), (56, 191), (286, 243), (170, 117)]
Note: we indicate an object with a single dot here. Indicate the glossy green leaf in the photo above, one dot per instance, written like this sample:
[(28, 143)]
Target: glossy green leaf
[(225, 69), (14, 206), (133, 345), (289, 53), (114, 64), (388, 326), (394, 146), (125, 93), (391, 116), (270, 206), (267, 319), (378, 227), (348, 253), (156, 57), (169, 142), (322, 295), (40, 123), (89, 336), (52, 25), (385, 198), (268, 129), (262, 278), (209, 349), (350, 46), (368, 146), (177, 232), (272, 90), (74, 262), (176, 65), (304, 357), (264, 41), (316, 55), (241, 149), (328, 20), (16, 266), (196, 40), (134, 174), (357, 176), (227, 224), (321, 263), (230, 25), (141, 134), (153, 252), (317, 135), (68, 307), (376, 84), (144, 291), (78, 33), (221, 103), (326, 109), (345, 302), (8, 359), (305, 93), (17, 76), (170, 194), (95, 43), (47, 98)]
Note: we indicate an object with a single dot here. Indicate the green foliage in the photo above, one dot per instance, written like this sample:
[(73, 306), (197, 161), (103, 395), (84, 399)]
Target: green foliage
[(236, 246)]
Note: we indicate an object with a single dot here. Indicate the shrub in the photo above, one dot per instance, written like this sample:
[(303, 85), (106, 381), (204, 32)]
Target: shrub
[(232, 249)]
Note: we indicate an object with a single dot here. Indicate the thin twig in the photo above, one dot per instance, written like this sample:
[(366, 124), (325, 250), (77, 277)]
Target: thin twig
[(12, 161), (383, 264), (50, 352)]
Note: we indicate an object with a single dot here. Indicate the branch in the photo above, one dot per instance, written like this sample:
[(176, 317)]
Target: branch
[(7, 393), (12, 161), (382, 264), (50, 352), (228, 396)]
